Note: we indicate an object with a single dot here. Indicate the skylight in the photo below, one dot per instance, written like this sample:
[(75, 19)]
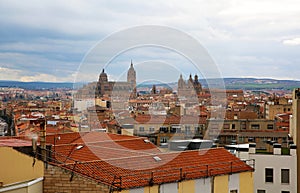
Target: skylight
[(156, 158), (79, 147)]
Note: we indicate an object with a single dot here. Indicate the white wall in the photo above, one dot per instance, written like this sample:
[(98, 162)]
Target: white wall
[(203, 185), (169, 188), (234, 182), (137, 190), (82, 105)]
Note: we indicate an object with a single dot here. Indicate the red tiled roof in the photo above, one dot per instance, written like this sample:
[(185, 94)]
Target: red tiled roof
[(161, 119), (138, 171), (14, 142), (97, 146)]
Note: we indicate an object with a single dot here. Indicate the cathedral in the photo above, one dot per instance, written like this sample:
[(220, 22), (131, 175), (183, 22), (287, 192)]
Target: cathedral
[(191, 87), (110, 88)]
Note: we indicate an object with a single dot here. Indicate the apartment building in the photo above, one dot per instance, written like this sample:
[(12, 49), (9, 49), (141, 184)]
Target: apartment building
[(161, 129), (275, 171), (245, 130)]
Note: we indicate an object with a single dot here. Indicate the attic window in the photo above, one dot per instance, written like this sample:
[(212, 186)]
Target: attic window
[(79, 147), (146, 141), (156, 158)]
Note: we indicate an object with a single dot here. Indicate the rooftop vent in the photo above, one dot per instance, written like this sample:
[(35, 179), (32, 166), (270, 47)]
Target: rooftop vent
[(156, 158)]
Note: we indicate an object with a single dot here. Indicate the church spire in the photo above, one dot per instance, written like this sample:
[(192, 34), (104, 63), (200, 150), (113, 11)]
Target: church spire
[(131, 65)]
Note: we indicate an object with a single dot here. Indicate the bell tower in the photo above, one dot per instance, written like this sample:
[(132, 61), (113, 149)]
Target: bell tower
[(131, 76)]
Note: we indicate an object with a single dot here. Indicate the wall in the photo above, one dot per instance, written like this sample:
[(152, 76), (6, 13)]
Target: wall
[(16, 167), (242, 182), (221, 184), (186, 186), (58, 180), (246, 182)]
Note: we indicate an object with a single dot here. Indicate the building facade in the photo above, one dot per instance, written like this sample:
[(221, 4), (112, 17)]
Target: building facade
[(191, 87), (275, 171), (295, 128)]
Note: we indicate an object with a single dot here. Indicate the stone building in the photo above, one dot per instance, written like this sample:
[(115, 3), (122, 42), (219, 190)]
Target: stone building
[(111, 88), (189, 87)]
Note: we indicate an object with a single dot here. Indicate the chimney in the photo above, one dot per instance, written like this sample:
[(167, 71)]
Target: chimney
[(43, 124), (277, 149), (293, 150), (252, 147), (269, 146)]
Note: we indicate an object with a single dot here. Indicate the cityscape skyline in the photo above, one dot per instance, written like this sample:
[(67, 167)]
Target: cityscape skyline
[(49, 40)]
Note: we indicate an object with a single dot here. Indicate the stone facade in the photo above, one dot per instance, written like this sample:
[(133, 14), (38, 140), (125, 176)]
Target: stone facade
[(58, 180), (191, 87), (106, 87)]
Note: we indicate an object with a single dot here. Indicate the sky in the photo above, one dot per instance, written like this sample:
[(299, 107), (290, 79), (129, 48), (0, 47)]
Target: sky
[(55, 40)]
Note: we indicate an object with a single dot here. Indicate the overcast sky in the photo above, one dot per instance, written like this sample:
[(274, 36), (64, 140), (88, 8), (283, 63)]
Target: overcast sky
[(48, 40)]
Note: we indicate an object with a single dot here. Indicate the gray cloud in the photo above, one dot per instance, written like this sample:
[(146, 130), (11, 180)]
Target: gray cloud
[(51, 38)]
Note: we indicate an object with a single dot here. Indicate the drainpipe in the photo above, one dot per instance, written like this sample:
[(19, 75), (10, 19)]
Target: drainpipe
[(212, 184)]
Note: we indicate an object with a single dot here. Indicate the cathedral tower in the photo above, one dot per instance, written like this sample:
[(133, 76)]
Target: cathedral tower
[(131, 76)]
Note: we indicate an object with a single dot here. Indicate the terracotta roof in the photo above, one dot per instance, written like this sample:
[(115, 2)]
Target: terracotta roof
[(107, 149), (138, 171), (14, 142), (162, 119)]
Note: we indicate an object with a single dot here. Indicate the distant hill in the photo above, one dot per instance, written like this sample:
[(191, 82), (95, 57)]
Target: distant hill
[(36, 85), (260, 84), (243, 83), (230, 83)]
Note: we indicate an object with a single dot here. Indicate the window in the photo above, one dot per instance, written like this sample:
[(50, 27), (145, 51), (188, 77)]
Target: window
[(233, 191), (226, 126), (285, 191), (243, 125), (233, 126), (197, 130), (274, 138), (261, 191), (269, 175), (173, 130), (187, 130), (141, 129), (270, 126), (255, 126), (285, 176), (151, 129), (164, 140), (163, 129)]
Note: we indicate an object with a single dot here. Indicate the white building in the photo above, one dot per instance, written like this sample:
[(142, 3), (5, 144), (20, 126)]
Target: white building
[(84, 104), (274, 172)]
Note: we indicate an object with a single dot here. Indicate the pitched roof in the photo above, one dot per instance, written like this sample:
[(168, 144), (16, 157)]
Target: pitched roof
[(108, 149), (90, 146), (144, 170)]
